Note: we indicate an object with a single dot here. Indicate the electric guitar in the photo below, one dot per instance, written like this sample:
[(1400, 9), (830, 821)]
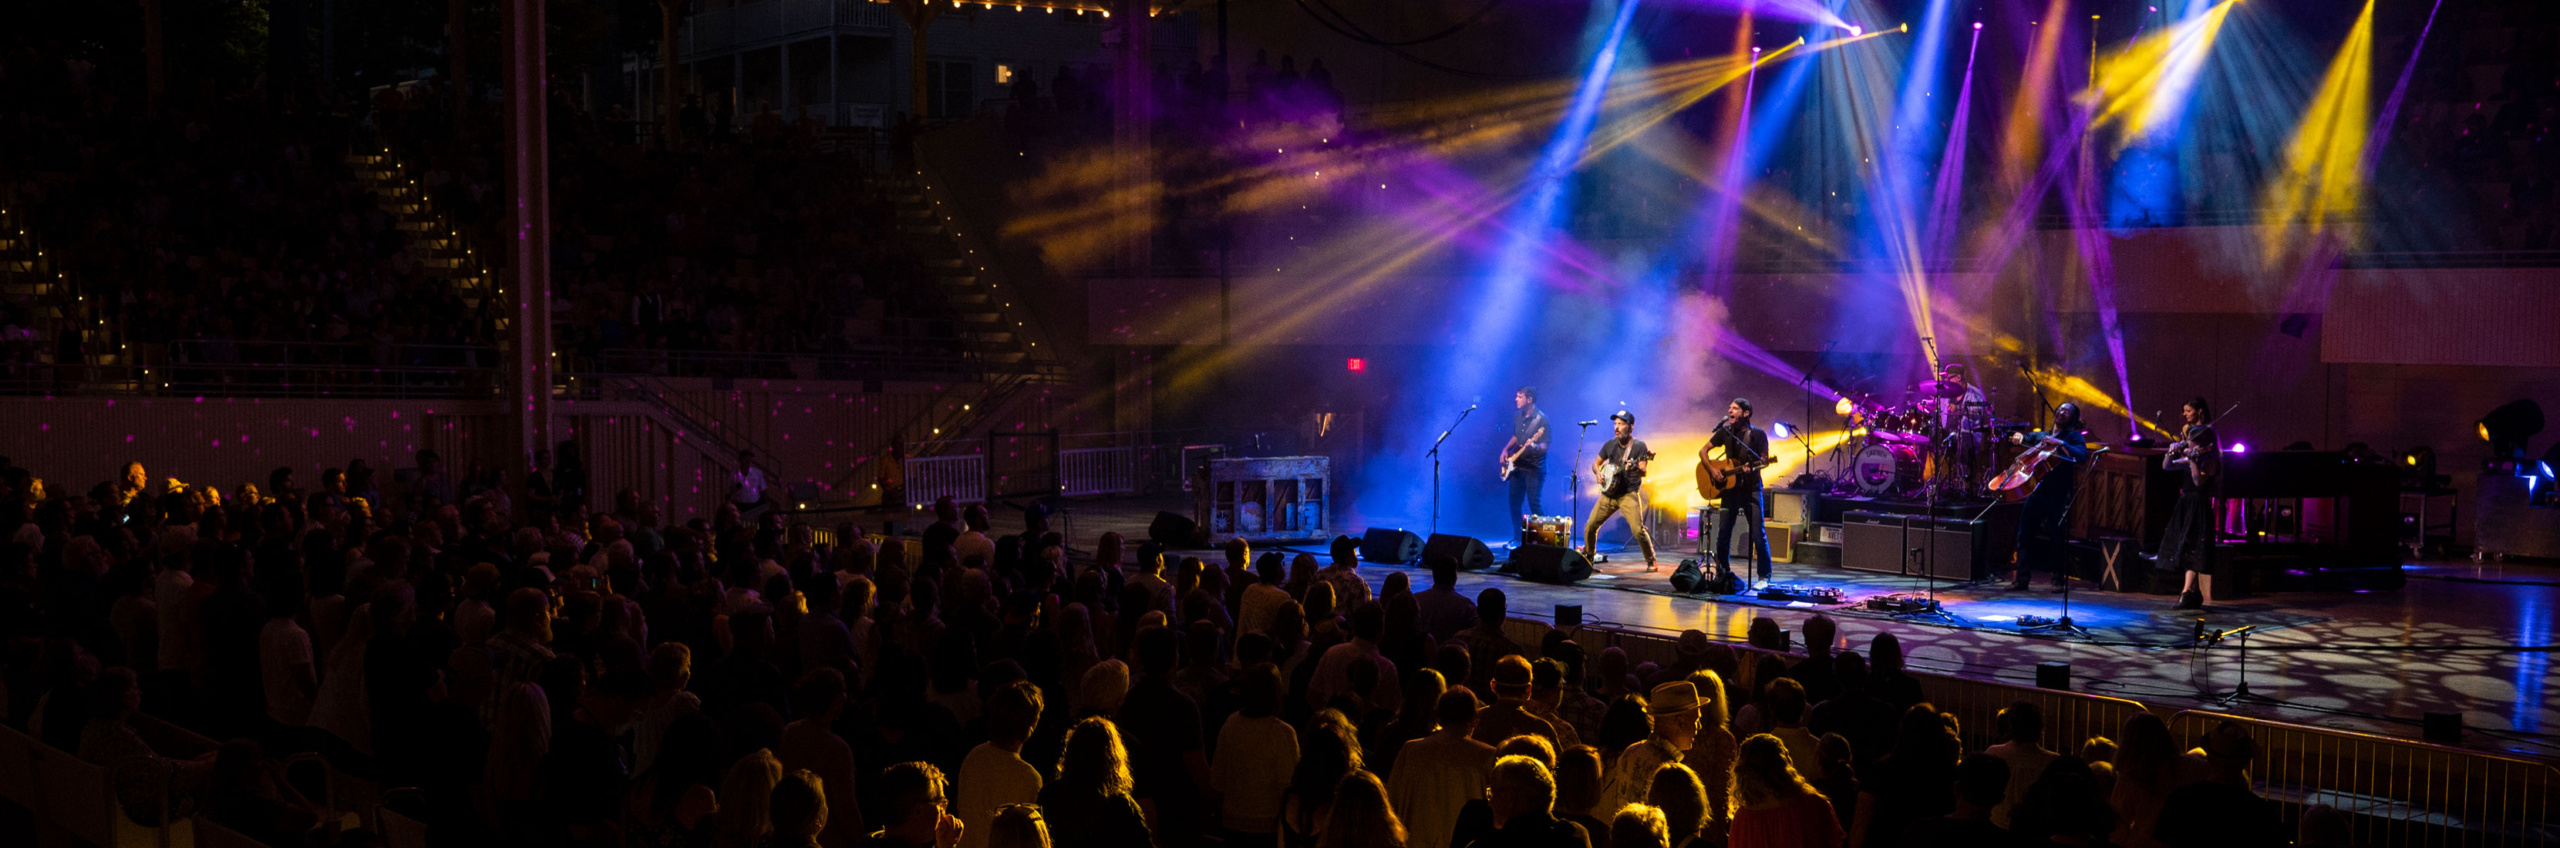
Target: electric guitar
[(1509, 462)]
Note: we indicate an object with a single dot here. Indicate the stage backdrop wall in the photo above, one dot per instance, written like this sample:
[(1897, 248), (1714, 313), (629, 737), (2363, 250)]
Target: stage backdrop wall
[(2393, 358)]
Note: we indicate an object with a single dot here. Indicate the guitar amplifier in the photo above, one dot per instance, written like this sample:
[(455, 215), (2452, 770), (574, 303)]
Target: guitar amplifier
[(1884, 543), (1782, 536)]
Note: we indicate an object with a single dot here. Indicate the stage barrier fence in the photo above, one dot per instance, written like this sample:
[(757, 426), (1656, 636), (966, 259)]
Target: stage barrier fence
[(1097, 471), (962, 478), (2394, 791), (2069, 717)]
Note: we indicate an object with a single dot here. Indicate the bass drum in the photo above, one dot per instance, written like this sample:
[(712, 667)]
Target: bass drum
[(1887, 468)]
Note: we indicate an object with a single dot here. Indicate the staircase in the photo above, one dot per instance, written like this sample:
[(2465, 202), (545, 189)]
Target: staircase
[(992, 329), (434, 238)]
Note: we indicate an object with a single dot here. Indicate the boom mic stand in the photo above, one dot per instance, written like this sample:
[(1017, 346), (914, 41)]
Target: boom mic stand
[(1435, 465), (2240, 691)]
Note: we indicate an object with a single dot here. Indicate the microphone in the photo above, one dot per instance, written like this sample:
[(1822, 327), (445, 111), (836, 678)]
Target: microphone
[(1471, 407), (1586, 423)]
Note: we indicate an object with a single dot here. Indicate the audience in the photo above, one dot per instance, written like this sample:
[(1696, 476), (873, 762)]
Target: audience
[(539, 689)]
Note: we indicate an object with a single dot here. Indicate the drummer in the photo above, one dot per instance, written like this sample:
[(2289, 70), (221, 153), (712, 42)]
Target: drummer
[(1954, 384)]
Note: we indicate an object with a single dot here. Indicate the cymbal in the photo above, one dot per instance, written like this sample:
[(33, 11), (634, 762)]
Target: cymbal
[(1942, 388)]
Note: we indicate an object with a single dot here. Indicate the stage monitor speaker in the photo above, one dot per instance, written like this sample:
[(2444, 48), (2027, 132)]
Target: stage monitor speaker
[(1549, 564), (1392, 547), (1877, 542), (1172, 530), (1469, 551), (2053, 675)]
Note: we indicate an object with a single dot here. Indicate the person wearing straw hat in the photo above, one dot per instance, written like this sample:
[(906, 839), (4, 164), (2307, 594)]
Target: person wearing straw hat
[(1673, 712)]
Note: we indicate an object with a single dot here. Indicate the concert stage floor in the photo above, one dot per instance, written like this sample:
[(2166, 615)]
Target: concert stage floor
[(2368, 661)]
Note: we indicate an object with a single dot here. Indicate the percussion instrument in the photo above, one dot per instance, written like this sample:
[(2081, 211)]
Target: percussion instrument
[(1887, 468)]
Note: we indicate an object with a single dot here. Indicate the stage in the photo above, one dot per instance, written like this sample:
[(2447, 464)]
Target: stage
[(2370, 661)]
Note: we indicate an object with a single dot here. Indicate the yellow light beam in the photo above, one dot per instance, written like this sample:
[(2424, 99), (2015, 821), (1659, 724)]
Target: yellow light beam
[(2321, 182)]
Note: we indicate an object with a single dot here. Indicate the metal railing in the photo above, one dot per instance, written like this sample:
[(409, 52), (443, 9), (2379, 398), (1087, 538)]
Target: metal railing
[(953, 363), (2394, 791), (960, 477), (751, 24), (1097, 471)]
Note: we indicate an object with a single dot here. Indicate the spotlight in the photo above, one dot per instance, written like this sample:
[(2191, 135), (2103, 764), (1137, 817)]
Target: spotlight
[(2507, 427), (1855, 29), (1977, 24), (1844, 407), (2239, 447), (2418, 468), (1783, 430)]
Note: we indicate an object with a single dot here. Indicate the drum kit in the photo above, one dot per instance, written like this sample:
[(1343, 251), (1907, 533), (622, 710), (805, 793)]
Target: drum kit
[(1942, 442)]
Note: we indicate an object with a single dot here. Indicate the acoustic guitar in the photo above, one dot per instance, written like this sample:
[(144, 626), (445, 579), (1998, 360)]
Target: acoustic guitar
[(1716, 470)]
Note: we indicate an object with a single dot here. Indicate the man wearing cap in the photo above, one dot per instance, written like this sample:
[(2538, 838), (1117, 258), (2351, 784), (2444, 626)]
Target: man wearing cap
[(1673, 709), (1511, 714), (1620, 469)]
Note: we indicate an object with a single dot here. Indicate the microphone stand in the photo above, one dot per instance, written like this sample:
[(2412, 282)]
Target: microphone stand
[(2239, 692), (1581, 432), (1732, 441), (2038, 389), (1435, 465), (2062, 525)]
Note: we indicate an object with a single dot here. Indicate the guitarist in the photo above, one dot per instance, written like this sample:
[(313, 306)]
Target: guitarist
[(1746, 451), (1524, 460), (1623, 490)]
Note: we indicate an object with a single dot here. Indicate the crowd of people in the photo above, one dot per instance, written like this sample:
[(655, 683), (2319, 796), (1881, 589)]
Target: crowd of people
[(597, 677)]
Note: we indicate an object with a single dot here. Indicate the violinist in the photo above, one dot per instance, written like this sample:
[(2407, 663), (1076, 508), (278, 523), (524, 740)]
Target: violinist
[(2041, 534), (2188, 543)]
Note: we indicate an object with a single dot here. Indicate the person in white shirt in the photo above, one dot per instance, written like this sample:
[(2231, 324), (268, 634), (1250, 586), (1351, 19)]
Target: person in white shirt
[(1257, 753), (747, 486), (994, 775), (1435, 776), (1263, 600), (974, 542), (284, 656), (2023, 725)]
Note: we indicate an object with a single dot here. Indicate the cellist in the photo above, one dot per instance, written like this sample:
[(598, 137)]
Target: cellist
[(2040, 526)]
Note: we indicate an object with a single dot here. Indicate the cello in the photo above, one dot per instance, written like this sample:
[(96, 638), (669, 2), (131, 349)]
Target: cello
[(2020, 478)]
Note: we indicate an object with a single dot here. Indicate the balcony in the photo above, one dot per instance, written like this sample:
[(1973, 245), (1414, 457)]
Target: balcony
[(752, 25)]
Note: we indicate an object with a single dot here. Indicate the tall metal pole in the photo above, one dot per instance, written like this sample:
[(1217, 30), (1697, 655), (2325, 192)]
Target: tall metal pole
[(529, 186), (668, 84)]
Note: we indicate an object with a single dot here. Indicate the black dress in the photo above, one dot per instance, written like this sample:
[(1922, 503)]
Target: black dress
[(2188, 541)]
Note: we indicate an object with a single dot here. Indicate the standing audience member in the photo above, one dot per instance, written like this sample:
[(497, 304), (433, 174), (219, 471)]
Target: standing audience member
[(1361, 816), (1981, 782), (1328, 751), (1089, 804), (1579, 781), (811, 746), (994, 776), (1444, 612), (1673, 709), (799, 811), (1018, 825), (2022, 747), (2221, 809), (746, 801), (1683, 802), (1773, 806), (1640, 826), (913, 812), (1437, 775), (1524, 795), (1257, 753)]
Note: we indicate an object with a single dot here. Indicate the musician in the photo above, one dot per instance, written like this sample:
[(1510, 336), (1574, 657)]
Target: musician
[(2041, 533), (1526, 453), (1963, 390), (1622, 491), (2188, 544), (1740, 504)]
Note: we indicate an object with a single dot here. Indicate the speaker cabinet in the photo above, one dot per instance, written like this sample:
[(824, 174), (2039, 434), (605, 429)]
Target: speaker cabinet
[(1470, 552), (1906, 544), (1549, 564), (1172, 530), (1782, 536), (1391, 547)]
